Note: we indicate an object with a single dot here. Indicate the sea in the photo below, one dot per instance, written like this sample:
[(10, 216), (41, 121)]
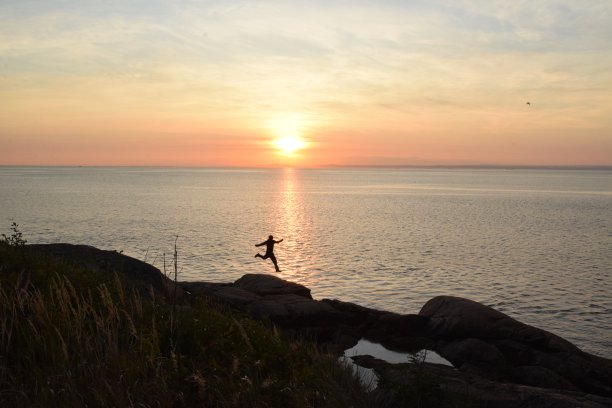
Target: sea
[(534, 244)]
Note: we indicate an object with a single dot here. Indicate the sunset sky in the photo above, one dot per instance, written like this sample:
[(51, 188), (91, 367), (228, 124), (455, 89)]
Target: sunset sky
[(305, 83)]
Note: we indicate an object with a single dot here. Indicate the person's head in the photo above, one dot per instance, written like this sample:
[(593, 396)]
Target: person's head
[(270, 237)]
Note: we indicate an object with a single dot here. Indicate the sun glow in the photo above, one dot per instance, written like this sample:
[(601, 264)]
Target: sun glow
[(289, 144), (289, 138)]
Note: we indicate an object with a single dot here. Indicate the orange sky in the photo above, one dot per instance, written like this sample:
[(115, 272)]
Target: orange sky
[(381, 83)]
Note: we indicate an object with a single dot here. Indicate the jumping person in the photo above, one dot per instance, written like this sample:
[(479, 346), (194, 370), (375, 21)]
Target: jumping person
[(269, 243)]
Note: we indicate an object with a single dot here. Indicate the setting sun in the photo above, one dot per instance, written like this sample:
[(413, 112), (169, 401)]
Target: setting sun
[(289, 144)]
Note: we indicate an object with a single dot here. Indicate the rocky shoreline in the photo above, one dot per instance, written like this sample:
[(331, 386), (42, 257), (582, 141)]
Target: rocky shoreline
[(498, 361)]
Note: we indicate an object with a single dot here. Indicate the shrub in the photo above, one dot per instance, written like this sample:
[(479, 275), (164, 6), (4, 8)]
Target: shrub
[(16, 237)]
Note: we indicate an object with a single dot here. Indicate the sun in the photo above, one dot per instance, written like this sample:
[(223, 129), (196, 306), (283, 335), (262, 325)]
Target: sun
[(289, 145), (288, 137)]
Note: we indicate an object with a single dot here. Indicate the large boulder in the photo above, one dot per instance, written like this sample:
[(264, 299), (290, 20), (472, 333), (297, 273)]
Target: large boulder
[(138, 274), (455, 318), (482, 340)]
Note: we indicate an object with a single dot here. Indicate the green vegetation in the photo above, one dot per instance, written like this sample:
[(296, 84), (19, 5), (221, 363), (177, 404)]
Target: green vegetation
[(72, 337), (16, 237)]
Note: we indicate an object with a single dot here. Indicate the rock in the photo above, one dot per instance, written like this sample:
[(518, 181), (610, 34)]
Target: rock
[(399, 332), (275, 311), (472, 350), (294, 310), (356, 315), (582, 370), (139, 274), (394, 331), (477, 357), (454, 318), (236, 297), (391, 324), (516, 352), (406, 344), (203, 288), (265, 285), (541, 377), (446, 386), (344, 339), (458, 322), (309, 312)]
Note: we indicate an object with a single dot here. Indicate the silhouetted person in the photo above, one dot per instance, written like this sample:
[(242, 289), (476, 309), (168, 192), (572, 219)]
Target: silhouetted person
[(269, 243)]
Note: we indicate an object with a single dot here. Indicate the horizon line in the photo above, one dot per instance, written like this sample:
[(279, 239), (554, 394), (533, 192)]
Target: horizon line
[(336, 166)]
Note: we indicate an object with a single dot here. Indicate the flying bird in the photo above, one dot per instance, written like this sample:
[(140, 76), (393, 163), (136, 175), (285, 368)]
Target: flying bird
[(529, 103)]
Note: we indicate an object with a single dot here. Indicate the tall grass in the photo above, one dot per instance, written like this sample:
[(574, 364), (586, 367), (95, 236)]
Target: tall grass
[(73, 343), (71, 349)]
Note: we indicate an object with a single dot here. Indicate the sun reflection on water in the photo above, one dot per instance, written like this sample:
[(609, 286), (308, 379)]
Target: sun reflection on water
[(294, 226)]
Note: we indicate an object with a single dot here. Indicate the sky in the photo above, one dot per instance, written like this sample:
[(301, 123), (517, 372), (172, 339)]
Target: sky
[(367, 83)]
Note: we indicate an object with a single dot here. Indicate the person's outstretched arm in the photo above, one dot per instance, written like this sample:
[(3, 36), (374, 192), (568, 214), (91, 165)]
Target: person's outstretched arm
[(263, 243), (278, 242)]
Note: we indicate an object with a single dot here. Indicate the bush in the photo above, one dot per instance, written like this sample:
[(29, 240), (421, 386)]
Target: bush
[(16, 237)]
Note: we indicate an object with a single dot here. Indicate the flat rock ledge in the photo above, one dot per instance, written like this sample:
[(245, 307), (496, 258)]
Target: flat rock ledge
[(505, 362)]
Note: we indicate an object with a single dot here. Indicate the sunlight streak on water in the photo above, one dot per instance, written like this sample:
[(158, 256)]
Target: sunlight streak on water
[(292, 219)]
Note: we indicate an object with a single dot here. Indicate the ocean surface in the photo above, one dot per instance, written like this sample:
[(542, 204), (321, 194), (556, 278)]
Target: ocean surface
[(535, 244)]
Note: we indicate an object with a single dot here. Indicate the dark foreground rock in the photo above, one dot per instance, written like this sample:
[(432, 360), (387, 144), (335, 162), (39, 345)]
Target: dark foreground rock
[(453, 317), (481, 340), (457, 388), (139, 274)]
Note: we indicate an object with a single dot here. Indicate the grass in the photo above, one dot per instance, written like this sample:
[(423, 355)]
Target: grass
[(72, 337)]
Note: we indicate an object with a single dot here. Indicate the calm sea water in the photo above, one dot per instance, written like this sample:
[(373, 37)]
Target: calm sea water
[(535, 244)]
